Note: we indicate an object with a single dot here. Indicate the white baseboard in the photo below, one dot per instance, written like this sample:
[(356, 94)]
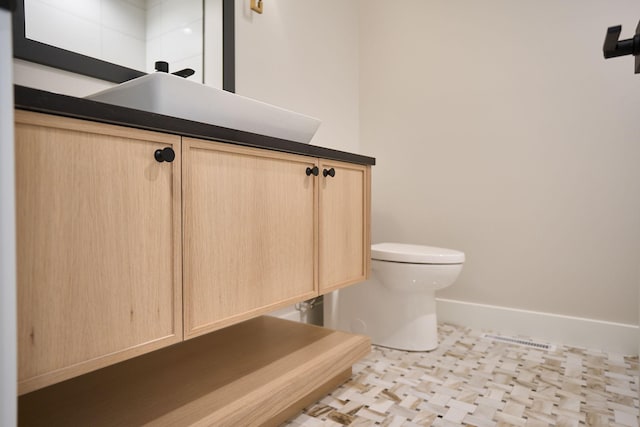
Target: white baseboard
[(593, 334)]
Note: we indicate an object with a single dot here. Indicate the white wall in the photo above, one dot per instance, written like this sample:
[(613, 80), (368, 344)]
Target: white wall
[(213, 43), (303, 55), (8, 340), (500, 130)]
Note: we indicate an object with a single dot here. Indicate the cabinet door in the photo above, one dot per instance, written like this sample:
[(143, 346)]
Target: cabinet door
[(98, 232), (344, 224), (249, 233)]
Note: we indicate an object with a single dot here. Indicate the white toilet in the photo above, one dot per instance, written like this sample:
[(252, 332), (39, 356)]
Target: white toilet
[(397, 306)]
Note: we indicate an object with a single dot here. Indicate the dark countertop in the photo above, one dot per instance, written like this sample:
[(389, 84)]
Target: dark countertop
[(62, 105)]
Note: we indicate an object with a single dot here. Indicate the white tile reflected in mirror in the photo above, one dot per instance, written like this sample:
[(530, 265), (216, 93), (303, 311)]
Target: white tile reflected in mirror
[(131, 33)]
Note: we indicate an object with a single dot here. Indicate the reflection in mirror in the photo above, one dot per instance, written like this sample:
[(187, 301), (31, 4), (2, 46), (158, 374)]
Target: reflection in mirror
[(219, 43), (130, 33)]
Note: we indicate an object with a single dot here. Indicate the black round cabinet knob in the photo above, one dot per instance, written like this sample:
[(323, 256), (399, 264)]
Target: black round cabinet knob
[(313, 171), (330, 172), (165, 155)]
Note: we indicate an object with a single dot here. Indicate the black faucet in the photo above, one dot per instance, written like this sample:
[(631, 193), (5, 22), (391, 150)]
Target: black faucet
[(163, 67)]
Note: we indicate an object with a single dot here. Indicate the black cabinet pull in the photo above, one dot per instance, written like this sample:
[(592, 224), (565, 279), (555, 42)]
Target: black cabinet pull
[(313, 171), (165, 155), (331, 172)]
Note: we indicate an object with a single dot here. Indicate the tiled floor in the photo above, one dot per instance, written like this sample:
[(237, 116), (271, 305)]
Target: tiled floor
[(471, 380)]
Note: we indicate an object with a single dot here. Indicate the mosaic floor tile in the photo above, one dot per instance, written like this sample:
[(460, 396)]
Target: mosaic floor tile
[(474, 381)]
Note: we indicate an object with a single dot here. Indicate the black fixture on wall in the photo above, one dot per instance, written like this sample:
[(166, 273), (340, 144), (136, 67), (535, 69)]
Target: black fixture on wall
[(41, 53), (613, 47)]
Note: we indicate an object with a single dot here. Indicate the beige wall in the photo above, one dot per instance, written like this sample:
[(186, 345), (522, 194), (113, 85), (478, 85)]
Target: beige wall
[(501, 131), (303, 55)]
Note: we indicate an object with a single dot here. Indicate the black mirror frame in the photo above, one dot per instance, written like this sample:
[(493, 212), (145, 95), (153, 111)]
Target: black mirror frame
[(41, 53)]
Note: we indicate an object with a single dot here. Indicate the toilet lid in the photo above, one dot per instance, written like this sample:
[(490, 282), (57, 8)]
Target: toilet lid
[(415, 254)]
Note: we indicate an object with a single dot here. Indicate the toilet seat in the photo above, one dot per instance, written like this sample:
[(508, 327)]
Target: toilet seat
[(415, 254)]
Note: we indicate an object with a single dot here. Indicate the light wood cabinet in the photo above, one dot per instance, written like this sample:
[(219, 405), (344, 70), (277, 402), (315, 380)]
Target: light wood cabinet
[(261, 232), (249, 233), (120, 254), (99, 246), (344, 236)]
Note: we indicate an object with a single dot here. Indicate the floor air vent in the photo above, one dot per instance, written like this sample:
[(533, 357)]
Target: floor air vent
[(520, 341)]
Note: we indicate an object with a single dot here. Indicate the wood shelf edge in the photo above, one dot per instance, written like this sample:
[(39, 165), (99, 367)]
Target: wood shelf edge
[(262, 371)]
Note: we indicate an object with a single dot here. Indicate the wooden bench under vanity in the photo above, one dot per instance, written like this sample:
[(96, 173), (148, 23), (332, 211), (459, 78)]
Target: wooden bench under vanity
[(149, 249)]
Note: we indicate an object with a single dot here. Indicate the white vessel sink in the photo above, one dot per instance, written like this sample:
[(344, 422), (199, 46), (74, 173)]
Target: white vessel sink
[(175, 96)]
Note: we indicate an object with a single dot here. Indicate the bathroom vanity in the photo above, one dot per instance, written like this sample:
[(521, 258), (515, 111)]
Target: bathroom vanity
[(149, 247)]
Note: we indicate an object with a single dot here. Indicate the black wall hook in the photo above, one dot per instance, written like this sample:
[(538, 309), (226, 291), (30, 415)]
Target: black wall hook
[(614, 47)]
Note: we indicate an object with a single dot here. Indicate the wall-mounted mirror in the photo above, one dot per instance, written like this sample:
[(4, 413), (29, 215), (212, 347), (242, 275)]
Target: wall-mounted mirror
[(117, 40)]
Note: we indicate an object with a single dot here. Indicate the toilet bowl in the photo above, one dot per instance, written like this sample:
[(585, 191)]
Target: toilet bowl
[(396, 307)]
